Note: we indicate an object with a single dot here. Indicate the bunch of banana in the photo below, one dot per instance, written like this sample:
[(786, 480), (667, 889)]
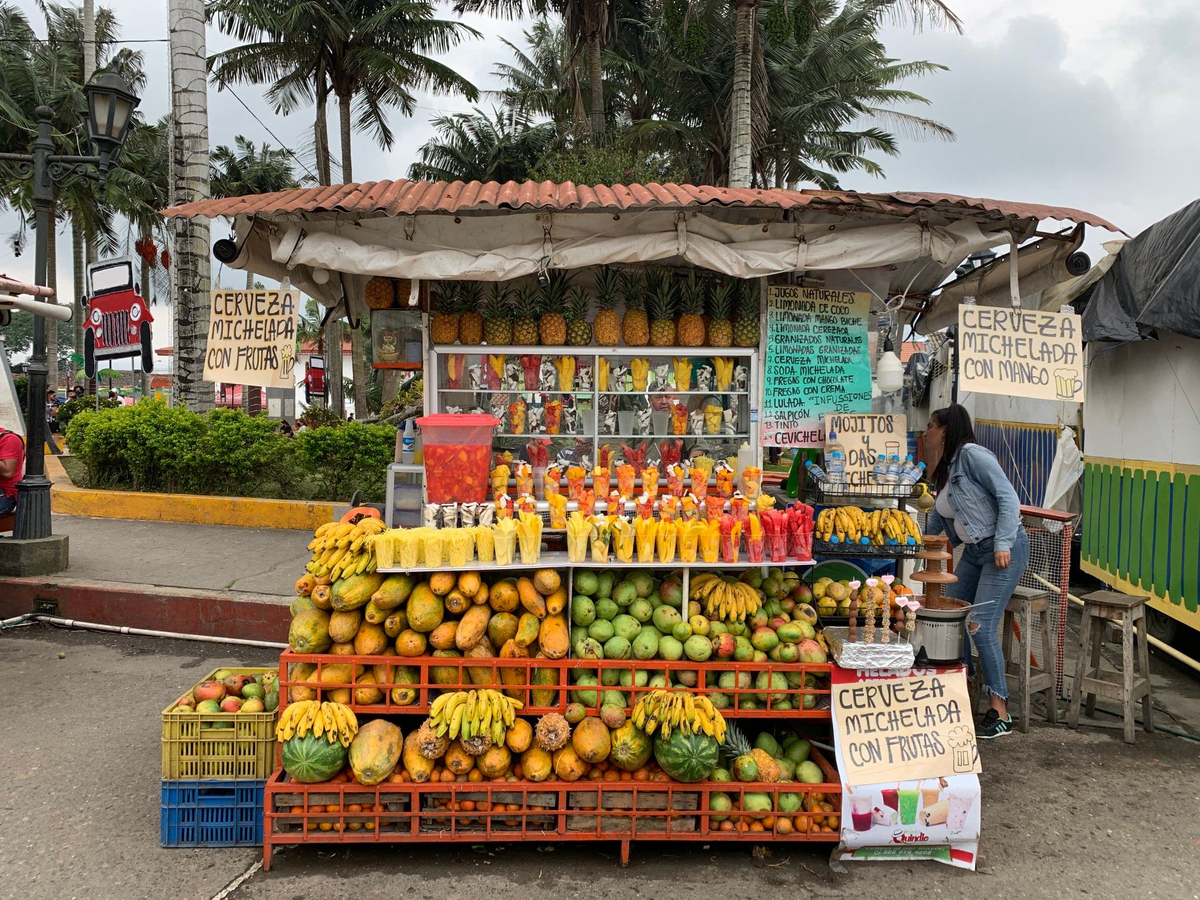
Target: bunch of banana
[(464, 714), (337, 723), (881, 527), (341, 549), (722, 600), (691, 714)]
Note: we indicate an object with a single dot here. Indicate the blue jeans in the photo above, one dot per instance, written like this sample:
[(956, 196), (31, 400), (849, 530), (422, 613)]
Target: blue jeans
[(7, 504), (979, 581)]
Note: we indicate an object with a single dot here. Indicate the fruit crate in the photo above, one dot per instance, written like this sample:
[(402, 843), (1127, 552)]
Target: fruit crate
[(811, 701), (624, 811), (864, 551), (218, 746), (211, 814)]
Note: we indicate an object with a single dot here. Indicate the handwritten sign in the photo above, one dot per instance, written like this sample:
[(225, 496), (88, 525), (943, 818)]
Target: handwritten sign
[(252, 338), (818, 361), (866, 439), (1020, 353), (904, 728)]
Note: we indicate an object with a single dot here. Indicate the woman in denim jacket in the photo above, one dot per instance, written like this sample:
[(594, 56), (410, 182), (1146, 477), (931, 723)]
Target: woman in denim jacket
[(978, 509)]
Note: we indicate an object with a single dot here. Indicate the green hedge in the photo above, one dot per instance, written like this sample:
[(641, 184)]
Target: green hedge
[(150, 447)]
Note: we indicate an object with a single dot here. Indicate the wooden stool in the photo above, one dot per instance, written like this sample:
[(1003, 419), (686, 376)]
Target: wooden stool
[(1027, 603), (1108, 606)]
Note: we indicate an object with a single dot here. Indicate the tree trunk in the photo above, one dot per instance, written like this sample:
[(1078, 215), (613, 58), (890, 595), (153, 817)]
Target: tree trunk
[(596, 88), (190, 273), (52, 377), (251, 394), (146, 376), (79, 286), (321, 128), (358, 359), (89, 39), (739, 123), (344, 103)]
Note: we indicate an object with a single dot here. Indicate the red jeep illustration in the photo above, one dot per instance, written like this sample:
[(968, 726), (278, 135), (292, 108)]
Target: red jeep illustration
[(118, 319)]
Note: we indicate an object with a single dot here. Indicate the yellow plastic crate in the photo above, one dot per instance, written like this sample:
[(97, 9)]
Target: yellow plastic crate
[(218, 746)]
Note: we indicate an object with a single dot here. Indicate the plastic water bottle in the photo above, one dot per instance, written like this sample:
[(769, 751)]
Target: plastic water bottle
[(892, 475), (836, 468), (408, 444), (914, 474), (815, 472), (879, 470), (832, 446)]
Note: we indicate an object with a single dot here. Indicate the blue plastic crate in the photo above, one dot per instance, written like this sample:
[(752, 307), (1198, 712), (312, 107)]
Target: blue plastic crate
[(211, 814)]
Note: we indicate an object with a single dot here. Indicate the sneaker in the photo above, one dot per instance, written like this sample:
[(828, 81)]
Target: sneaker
[(992, 726)]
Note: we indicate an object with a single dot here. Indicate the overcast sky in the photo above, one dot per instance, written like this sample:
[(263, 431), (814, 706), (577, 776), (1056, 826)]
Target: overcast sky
[(1083, 103)]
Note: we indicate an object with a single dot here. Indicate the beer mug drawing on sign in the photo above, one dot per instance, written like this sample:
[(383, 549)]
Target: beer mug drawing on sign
[(1066, 384)]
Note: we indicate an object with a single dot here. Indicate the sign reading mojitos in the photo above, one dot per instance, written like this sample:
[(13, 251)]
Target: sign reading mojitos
[(1020, 352)]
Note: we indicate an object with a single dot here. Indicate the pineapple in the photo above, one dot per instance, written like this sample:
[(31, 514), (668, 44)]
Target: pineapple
[(691, 308), (663, 291), (579, 329), (607, 324), (497, 317), (745, 329), (525, 309), (635, 327), (720, 303), (748, 763), (430, 744), (479, 744), (552, 732), (443, 328), (380, 293), (552, 326), (470, 322)]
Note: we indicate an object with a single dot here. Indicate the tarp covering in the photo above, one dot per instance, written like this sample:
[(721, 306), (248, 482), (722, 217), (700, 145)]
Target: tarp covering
[(1153, 285)]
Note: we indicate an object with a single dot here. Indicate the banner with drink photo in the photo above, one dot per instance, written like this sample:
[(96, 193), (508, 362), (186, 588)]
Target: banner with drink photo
[(915, 729)]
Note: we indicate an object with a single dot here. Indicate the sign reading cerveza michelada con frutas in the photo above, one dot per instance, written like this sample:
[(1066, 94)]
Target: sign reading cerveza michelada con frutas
[(817, 362), (1020, 353), (252, 338)]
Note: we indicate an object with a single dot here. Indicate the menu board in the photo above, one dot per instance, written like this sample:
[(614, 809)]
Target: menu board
[(866, 439), (252, 338), (817, 362), (1020, 353)]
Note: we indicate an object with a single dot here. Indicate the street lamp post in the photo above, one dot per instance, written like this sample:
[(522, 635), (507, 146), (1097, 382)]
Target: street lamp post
[(110, 107)]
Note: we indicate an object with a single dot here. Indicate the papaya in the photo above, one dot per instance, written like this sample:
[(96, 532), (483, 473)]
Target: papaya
[(445, 675), (395, 623), (568, 765), (418, 767), (496, 762), (555, 636), (371, 640), (544, 678), (309, 632), (469, 583), (305, 585), (456, 602), (339, 673), (501, 627), (301, 603), (504, 596), (382, 673), (410, 643), (557, 601), (527, 630), (375, 750), (403, 694), (591, 741), (441, 583), (365, 691), (425, 609), (442, 637), (458, 760), (342, 649), (536, 764), (513, 678), (485, 677), (373, 614), (344, 625), (472, 627), (546, 581), (356, 514), (530, 598), (519, 736), (355, 591), (393, 592), (322, 596), (480, 597), (301, 672)]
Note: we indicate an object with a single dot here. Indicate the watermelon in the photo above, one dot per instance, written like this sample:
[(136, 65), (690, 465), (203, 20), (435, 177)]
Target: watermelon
[(311, 759), (686, 757), (631, 747)]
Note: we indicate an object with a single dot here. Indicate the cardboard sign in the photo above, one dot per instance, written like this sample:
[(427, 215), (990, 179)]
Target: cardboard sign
[(10, 409), (909, 728), (866, 439), (817, 362), (252, 338), (1020, 353)]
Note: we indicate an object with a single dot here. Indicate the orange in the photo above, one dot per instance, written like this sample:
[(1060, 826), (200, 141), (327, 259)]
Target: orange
[(447, 776), (475, 776), (627, 776), (783, 825), (727, 825), (612, 775), (756, 826), (641, 774), (768, 822), (468, 806)]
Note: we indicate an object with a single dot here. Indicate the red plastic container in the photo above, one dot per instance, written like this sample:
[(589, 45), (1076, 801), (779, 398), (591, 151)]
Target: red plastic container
[(458, 451)]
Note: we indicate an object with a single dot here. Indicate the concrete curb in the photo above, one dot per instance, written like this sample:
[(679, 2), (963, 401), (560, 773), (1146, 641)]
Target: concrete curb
[(193, 509), (234, 614)]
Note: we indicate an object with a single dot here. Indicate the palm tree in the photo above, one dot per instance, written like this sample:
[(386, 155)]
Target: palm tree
[(476, 147)]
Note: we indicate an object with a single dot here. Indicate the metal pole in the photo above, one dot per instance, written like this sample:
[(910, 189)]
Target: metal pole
[(33, 490)]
